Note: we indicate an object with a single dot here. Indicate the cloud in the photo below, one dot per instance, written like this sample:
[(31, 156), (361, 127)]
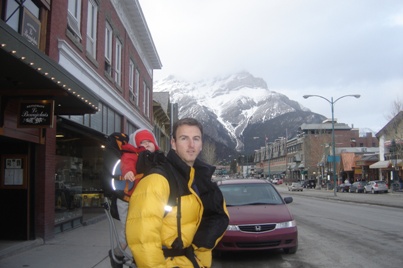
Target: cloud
[(329, 47)]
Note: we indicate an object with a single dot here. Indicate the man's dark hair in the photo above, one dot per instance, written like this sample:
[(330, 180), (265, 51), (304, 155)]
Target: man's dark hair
[(186, 121)]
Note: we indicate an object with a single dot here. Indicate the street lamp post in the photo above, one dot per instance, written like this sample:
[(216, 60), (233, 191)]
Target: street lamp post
[(333, 138)]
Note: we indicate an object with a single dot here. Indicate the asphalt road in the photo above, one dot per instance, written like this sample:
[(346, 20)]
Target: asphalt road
[(350, 230)]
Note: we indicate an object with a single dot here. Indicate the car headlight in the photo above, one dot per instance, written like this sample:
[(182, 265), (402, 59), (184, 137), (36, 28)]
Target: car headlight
[(287, 224), (232, 228)]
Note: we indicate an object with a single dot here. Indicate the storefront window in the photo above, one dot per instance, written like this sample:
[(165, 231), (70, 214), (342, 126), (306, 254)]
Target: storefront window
[(14, 11), (68, 189), (78, 178)]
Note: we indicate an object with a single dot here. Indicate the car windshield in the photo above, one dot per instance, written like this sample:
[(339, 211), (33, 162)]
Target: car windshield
[(250, 194)]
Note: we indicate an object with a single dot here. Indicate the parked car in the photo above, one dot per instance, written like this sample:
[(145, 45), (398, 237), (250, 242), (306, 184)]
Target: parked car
[(309, 184), (357, 187), (259, 218), (344, 187), (295, 186), (376, 187)]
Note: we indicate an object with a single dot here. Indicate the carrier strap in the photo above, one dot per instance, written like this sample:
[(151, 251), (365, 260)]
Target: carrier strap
[(187, 252)]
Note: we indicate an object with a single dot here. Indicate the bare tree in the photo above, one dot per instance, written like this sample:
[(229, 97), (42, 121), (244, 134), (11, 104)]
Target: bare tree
[(208, 153), (394, 129), (397, 107)]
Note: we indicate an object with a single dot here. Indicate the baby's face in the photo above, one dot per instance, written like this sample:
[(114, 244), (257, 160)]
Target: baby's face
[(148, 145)]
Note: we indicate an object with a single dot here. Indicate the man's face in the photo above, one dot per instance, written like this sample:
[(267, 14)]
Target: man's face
[(188, 143)]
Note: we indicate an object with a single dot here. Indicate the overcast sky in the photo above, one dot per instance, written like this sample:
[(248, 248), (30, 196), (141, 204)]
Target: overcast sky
[(324, 47)]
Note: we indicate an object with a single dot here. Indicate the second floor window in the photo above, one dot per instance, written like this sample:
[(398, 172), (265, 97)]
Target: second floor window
[(13, 12), (146, 99), (74, 17), (92, 28), (131, 80), (137, 86), (108, 49), (148, 102), (118, 63)]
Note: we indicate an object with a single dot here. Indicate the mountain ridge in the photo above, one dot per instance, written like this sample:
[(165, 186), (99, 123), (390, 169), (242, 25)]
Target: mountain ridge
[(236, 108)]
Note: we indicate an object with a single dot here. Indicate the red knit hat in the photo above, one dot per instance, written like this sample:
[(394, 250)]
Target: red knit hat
[(144, 134)]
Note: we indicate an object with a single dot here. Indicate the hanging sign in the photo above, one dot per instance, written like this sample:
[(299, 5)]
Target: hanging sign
[(36, 113), (30, 27)]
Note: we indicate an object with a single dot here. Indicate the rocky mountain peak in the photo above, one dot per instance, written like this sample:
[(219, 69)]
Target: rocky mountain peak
[(229, 106)]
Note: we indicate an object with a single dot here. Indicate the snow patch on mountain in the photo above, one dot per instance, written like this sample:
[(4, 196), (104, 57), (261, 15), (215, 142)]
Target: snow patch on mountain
[(237, 100)]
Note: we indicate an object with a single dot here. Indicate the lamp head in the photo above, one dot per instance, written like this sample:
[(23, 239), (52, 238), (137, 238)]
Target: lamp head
[(357, 96), (306, 96)]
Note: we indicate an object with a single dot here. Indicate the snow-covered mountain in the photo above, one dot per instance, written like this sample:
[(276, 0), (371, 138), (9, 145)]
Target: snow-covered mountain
[(237, 110)]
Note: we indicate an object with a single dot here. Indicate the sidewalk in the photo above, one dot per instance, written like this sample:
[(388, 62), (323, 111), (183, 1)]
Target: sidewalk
[(87, 246), (83, 247), (391, 199)]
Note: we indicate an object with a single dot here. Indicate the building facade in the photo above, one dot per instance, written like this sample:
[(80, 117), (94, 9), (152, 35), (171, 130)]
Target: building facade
[(73, 73), (390, 164), (309, 154)]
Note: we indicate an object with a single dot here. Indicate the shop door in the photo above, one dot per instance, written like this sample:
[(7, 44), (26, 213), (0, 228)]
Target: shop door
[(14, 189)]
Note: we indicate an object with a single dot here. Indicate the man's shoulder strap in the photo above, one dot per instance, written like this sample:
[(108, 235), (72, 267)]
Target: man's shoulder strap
[(149, 163), (171, 178)]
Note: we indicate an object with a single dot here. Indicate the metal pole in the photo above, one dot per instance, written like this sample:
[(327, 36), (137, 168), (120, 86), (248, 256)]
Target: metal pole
[(334, 150), (268, 160), (333, 139)]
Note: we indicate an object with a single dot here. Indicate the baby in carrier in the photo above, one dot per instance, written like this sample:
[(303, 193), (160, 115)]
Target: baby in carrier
[(140, 141)]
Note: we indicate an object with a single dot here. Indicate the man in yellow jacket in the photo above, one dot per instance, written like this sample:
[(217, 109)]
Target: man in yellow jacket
[(153, 233)]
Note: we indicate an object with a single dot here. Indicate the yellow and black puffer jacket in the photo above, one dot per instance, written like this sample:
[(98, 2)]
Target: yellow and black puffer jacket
[(151, 225)]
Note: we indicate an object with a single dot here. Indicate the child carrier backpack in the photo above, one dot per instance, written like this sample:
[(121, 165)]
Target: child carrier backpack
[(120, 187), (147, 163)]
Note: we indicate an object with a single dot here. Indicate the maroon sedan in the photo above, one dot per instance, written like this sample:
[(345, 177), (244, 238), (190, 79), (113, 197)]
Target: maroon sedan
[(259, 217)]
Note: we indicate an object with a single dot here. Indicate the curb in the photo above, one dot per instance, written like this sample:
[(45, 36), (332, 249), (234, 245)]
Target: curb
[(16, 248), (20, 247)]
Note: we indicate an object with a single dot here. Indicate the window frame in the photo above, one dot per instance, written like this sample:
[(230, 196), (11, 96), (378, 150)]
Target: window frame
[(118, 62), (92, 21), (74, 17), (132, 68), (148, 102), (144, 97), (137, 87), (108, 48)]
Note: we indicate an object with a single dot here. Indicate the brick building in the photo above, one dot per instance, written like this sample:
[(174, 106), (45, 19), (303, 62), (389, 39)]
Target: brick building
[(72, 73), (306, 156)]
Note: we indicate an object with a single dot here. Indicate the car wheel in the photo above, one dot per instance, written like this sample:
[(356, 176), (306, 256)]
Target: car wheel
[(292, 250), (372, 191)]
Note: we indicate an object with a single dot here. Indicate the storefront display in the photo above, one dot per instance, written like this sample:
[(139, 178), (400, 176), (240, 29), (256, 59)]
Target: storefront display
[(78, 182), (68, 189)]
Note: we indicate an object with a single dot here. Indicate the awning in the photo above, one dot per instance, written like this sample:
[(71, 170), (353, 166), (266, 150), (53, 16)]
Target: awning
[(347, 159), (28, 73), (381, 164)]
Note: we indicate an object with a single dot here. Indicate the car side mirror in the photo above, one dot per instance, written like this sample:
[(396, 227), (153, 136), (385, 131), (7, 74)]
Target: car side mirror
[(288, 200)]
